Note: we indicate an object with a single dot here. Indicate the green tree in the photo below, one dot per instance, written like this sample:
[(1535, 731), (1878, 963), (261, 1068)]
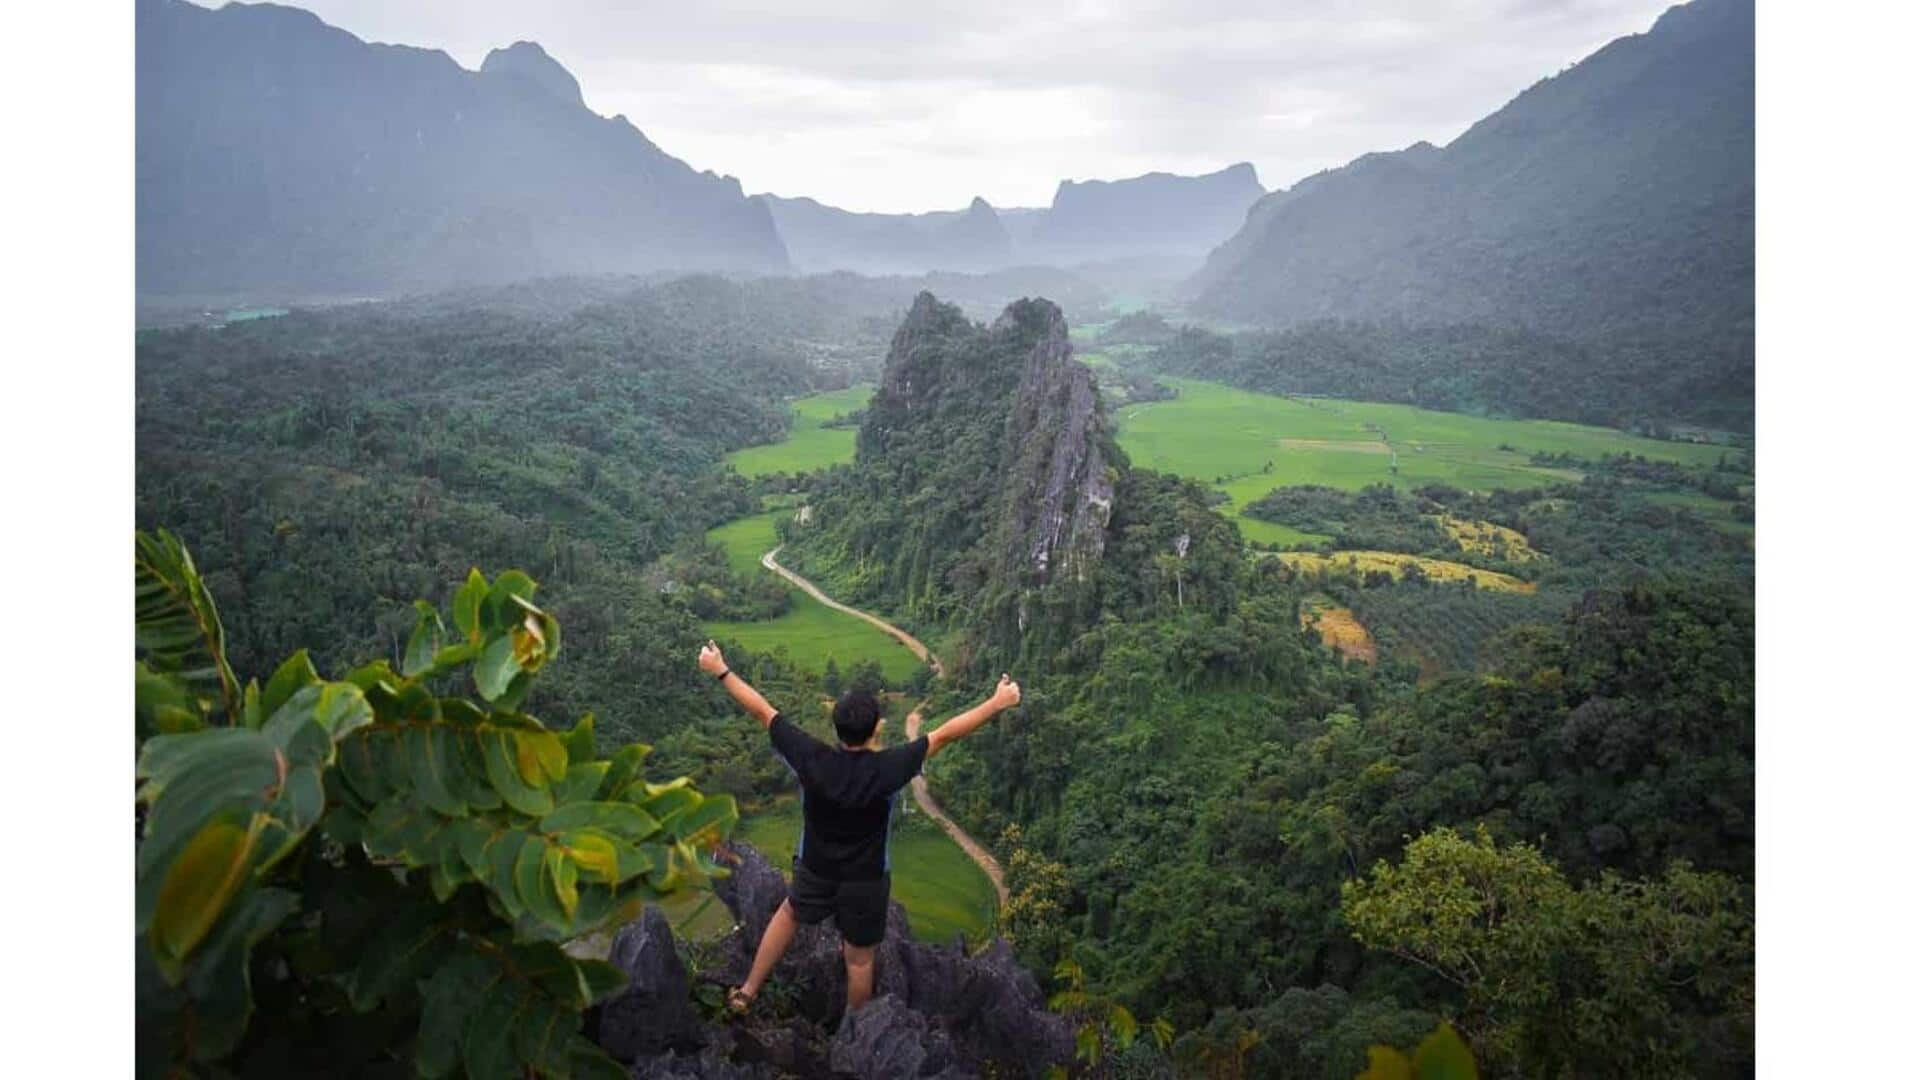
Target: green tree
[(1626, 978)]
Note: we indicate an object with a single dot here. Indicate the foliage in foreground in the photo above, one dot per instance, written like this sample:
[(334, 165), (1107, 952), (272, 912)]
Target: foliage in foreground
[(388, 869)]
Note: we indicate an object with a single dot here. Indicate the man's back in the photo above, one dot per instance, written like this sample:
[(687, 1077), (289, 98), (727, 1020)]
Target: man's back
[(847, 799)]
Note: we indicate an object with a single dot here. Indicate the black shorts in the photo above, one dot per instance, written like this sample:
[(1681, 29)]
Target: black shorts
[(859, 908)]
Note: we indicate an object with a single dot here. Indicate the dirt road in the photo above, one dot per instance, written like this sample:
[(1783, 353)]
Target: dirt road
[(979, 854)]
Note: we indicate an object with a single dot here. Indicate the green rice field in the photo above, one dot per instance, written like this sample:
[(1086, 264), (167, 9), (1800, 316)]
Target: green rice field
[(943, 891), (1246, 444), (809, 444)]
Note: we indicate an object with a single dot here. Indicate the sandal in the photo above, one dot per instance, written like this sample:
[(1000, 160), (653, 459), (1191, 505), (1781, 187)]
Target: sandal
[(739, 1000)]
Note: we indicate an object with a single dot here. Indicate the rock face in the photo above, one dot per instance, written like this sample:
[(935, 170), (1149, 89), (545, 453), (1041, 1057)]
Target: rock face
[(277, 156), (936, 1011), (1057, 508), (654, 1013), (984, 480)]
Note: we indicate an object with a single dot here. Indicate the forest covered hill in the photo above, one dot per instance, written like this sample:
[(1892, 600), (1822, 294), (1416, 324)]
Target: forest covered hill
[(1602, 222)]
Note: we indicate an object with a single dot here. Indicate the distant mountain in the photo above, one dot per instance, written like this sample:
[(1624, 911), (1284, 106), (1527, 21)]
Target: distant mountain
[(1155, 214), (820, 238), (1609, 206), (1150, 219), (278, 155)]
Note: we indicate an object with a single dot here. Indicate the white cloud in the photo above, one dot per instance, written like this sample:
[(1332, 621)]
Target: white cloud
[(884, 106)]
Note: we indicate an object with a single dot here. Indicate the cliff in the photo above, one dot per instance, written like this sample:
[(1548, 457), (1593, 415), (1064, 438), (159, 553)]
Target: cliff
[(984, 478)]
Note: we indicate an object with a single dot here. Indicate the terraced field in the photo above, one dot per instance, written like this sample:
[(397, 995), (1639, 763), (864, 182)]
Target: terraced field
[(1395, 563), (1246, 444)]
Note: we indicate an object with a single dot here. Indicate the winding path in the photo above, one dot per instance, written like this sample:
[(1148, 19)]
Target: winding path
[(979, 854)]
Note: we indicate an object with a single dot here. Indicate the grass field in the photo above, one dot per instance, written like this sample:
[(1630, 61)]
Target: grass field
[(809, 444), (943, 891), (810, 632), (1394, 563), (1247, 444)]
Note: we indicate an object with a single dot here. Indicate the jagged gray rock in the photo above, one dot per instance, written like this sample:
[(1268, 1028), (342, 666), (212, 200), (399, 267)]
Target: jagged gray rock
[(1061, 492), (985, 1007), (886, 1039), (654, 1012)]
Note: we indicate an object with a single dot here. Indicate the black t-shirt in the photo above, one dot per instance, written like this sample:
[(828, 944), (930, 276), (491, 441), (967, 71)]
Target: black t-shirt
[(846, 799)]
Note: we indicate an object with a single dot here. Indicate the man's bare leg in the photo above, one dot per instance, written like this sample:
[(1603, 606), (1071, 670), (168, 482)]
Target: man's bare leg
[(859, 974), (773, 945)]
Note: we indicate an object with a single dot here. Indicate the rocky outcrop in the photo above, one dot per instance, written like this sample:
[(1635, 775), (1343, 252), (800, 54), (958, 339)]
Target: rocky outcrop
[(888, 1039), (654, 1013), (1060, 493), (936, 1012)]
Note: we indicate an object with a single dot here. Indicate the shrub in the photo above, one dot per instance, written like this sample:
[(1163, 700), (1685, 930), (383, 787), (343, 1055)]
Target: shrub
[(390, 868)]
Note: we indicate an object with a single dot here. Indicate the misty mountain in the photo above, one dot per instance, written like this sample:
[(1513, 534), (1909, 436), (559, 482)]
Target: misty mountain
[(820, 238), (1155, 214), (1140, 226), (276, 154), (1610, 206)]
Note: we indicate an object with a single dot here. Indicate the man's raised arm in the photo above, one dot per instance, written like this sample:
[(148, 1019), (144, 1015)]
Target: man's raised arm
[(1005, 696), (748, 698)]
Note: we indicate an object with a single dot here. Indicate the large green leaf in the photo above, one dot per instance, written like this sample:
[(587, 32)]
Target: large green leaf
[(424, 643), (221, 985), (503, 772), (496, 668), (466, 605), (408, 946), (622, 819), (193, 892), (294, 674), (447, 1000), (707, 822), (176, 628), (163, 704)]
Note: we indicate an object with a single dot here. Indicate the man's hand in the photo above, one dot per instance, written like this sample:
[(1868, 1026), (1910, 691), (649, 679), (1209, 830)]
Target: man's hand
[(1007, 694), (743, 695)]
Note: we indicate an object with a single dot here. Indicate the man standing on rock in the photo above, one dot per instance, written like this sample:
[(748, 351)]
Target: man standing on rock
[(846, 806)]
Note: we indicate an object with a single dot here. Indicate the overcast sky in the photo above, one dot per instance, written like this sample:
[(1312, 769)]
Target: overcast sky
[(921, 106)]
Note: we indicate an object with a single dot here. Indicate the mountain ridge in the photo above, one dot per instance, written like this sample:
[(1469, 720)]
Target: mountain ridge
[(277, 154), (1609, 205)]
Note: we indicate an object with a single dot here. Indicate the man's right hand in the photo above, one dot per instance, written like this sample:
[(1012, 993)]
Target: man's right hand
[(1007, 694), (711, 661)]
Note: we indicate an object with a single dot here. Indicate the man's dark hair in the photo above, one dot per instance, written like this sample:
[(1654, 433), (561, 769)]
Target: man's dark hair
[(855, 716)]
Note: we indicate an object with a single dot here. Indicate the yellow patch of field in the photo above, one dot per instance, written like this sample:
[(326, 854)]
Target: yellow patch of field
[(1395, 563), (1351, 446), (1339, 629), (1486, 538)]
